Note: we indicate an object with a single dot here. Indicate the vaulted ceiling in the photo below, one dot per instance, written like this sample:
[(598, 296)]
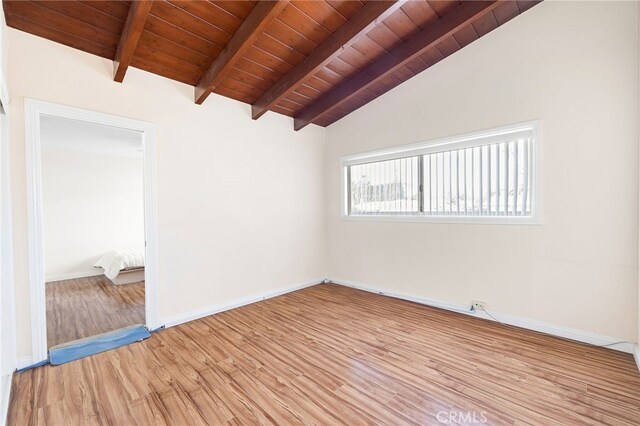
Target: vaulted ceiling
[(316, 61)]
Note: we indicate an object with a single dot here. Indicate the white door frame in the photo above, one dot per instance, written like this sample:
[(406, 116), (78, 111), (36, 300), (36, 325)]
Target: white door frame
[(34, 110)]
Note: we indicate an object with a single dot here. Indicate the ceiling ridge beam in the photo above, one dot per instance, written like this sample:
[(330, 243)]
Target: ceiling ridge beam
[(250, 29), (133, 27), (389, 62), (370, 15)]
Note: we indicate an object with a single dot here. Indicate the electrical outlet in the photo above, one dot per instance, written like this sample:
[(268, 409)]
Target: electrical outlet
[(478, 306)]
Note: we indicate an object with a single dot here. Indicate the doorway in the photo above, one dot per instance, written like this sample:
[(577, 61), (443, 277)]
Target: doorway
[(92, 222)]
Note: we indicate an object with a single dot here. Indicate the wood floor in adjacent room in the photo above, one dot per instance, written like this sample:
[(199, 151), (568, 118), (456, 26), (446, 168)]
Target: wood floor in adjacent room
[(84, 307), (333, 355)]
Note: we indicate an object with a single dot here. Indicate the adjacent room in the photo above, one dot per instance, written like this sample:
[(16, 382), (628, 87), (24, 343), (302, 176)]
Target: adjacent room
[(412, 212), (93, 228)]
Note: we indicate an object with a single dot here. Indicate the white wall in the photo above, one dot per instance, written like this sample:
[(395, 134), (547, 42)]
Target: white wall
[(637, 348), (7, 297), (240, 202), (574, 65), (92, 204)]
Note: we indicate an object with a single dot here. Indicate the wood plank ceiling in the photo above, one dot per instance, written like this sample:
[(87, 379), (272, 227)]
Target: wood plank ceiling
[(316, 61)]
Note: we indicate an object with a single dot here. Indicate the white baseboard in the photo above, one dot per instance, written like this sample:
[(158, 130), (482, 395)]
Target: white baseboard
[(73, 275), (210, 310), (636, 354), (5, 394), (568, 333)]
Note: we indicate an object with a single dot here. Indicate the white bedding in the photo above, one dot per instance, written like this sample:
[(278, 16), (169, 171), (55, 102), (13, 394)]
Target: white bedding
[(117, 260)]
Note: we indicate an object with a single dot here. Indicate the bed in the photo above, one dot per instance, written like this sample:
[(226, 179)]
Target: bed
[(123, 266)]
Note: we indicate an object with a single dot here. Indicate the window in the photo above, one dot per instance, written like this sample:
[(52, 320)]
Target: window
[(483, 177)]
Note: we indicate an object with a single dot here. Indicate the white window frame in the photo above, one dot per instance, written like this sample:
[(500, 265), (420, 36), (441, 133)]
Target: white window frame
[(468, 140)]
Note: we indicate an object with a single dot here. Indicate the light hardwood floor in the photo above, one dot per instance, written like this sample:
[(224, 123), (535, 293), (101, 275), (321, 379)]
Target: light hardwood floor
[(88, 306), (333, 355)]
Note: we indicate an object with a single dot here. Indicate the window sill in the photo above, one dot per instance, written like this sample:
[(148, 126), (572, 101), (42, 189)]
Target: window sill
[(459, 220)]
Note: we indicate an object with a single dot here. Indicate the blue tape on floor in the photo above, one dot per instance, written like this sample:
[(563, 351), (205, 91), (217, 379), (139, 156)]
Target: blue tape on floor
[(93, 345), (38, 364)]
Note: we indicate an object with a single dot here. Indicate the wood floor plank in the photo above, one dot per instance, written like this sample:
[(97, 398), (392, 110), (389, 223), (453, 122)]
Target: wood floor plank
[(333, 355)]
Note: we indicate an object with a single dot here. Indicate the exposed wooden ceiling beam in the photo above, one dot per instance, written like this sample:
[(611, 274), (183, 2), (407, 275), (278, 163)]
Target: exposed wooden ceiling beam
[(259, 17), (133, 27), (410, 49), (364, 20)]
